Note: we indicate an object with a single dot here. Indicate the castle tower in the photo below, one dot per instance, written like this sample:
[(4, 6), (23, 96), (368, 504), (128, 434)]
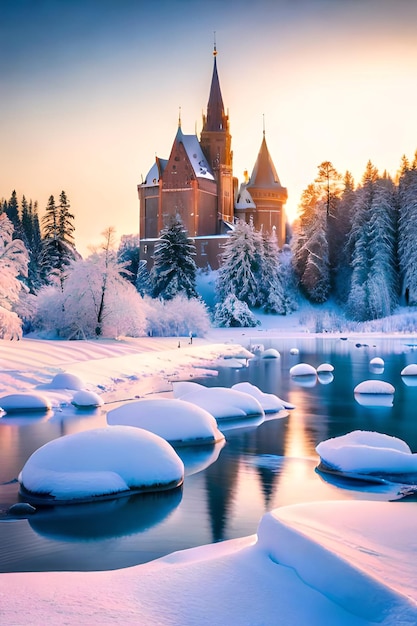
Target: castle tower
[(216, 141), (268, 195)]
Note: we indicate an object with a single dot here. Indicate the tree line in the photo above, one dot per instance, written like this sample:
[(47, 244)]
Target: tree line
[(358, 244)]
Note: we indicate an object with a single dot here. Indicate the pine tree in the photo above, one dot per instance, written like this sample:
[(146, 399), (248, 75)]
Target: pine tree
[(271, 276), (57, 244), (12, 212), (128, 253), (174, 271), (311, 253), (373, 291), (340, 261), (407, 230), (239, 272)]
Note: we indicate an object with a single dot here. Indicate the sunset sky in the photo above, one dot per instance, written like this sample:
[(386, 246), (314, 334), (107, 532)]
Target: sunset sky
[(91, 89)]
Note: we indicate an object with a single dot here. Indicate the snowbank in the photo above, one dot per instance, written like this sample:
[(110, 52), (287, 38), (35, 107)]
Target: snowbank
[(327, 563)]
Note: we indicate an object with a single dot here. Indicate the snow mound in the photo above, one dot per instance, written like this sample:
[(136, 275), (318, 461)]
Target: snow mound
[(100, 462), (363, 452), (270, 353), (294, 351), (180, 389), (409, 370), (325, 367), (84, 399), (64, 380), (303, 369), (227, 362), (18, 402), (221, 402), (377, 361), (176, 421), (269, 402), (374, 386)]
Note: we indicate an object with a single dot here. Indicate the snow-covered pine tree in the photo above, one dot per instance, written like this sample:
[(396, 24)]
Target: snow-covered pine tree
[(311, 252), (239, 272), (143, 279), (373, 290), (174, 270), (232, 312), (128, 253), (407, 230), (58, 241), (13, 263), (340, 262), (12, 212), (271, 276)]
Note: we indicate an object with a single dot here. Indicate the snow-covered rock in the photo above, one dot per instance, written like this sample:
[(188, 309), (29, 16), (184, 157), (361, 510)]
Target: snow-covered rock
[(294, 351), (303, 369), (29, 401), (64, 380), (100, 462), (367, 452), (175, 420), (84, 399), (269, 402), (221, 402), (270, 353), (325, 367), (409, 370), (377, 361), (374, 387)]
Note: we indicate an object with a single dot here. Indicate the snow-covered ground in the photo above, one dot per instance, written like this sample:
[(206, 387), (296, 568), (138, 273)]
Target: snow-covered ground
[(328, 563)]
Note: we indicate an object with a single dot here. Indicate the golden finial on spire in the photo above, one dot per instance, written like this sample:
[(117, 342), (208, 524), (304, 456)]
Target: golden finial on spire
[(215, 48), (263, 123), (179, 117)]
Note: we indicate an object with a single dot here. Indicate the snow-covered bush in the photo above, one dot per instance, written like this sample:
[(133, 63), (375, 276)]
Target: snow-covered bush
[(233, 312), (177, 317)]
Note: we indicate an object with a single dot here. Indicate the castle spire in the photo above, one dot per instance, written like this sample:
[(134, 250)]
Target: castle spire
[(215, 109)]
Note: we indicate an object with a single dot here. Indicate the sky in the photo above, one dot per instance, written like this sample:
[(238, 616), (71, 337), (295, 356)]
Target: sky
[(91, 92)]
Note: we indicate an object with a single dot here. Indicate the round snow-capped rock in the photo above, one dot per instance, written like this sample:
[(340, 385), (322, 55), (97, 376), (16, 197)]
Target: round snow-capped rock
[(224, 403), (64, 380), (374, 386), (294, 351), (176, 421), (180, 389), (30, 401), (84, 399), (303, 369), (377, 361), (270, 353), (269, 402), (325, 367), (102, 462), (409, 370)]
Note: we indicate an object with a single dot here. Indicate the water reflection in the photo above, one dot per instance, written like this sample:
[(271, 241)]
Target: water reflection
[(227, 488), (104, 520)]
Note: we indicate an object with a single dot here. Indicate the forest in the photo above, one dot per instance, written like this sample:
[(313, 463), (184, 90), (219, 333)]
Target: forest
[(351, 244)]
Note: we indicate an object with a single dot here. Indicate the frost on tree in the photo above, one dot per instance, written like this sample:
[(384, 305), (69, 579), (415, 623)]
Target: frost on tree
[(239, 273), (13, 263), (407, 230), (95, 301), (374, 290), (174, 270), (234, 313)]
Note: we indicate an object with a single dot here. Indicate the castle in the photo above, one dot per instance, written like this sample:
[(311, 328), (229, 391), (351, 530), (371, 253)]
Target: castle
[(196, 183)]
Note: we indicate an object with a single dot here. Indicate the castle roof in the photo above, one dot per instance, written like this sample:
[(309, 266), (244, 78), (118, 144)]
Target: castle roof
[(195, 154), (244, 199), (155, 173), (264, 174)]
